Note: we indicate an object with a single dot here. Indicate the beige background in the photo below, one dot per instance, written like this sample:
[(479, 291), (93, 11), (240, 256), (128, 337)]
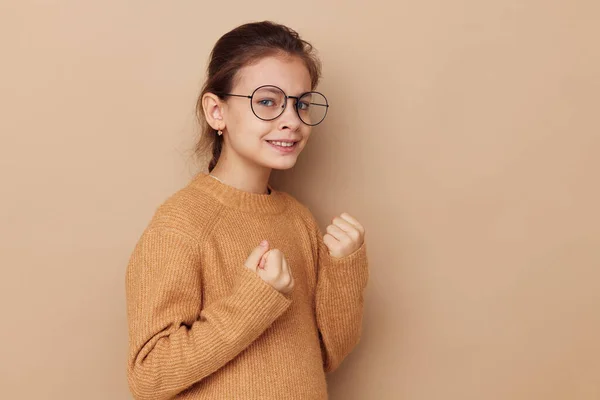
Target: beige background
[(463, 134)]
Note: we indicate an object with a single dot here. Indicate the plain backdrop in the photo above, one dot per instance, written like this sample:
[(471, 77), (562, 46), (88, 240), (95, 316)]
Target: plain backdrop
[(464, 135)]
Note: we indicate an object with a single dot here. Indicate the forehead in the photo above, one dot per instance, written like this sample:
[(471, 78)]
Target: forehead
[(288, 73)]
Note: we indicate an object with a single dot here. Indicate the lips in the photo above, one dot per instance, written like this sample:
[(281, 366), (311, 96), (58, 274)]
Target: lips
[(282, 149), (283, 140)]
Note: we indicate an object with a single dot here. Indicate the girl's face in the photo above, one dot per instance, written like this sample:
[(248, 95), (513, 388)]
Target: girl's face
[(249, 136)]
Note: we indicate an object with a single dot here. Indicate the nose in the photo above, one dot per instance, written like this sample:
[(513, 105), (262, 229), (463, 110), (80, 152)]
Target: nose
[(290, 119)]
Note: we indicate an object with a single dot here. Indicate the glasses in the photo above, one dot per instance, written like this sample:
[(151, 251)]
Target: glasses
[(268, 102)]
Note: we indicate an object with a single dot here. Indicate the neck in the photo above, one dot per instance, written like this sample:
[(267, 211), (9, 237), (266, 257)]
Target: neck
[(243, 179)]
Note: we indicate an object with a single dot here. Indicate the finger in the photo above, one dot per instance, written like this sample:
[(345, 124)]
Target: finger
[(284, 264), (330, 242), (337, 233), (353, 221), (344, 225), (255, 256), (263, 260), (288, 272), (272, 259), (349, 228)]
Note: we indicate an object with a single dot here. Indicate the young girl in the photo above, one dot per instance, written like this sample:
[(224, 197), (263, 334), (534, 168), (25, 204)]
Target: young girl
[(232, 290)]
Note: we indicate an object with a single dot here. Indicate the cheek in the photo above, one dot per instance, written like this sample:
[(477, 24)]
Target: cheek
[(252, 121), (248, 133), (243, 124), (306, 130), (236, 117)]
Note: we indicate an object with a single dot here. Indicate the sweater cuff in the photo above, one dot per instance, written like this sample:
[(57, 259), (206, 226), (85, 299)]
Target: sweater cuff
[(356, 259), (260, 303), (353, 267)]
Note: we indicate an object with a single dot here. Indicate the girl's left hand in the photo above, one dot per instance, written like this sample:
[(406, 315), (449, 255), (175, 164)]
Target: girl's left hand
[(344, 235)]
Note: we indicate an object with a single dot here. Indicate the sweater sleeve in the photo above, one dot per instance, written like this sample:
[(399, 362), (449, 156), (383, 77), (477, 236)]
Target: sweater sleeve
[(173, 341), (339, 301)]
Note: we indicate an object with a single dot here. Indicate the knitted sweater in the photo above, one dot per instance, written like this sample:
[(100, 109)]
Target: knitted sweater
[(204, 326)]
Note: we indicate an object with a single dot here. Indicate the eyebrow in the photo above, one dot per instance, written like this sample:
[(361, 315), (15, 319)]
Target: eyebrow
[(268, 89), (277, 91)]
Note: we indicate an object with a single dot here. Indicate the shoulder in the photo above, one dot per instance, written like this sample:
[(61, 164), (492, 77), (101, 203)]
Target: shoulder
[(188, 211), (302, 210)]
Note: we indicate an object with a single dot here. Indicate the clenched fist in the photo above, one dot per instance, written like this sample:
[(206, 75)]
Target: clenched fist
[(344, 236), (272, 267)]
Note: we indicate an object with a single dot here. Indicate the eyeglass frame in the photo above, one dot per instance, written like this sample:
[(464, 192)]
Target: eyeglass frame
[(297, 98)]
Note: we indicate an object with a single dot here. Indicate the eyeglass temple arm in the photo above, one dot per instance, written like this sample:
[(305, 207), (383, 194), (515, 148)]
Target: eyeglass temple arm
[(297, 98), (237, 95)]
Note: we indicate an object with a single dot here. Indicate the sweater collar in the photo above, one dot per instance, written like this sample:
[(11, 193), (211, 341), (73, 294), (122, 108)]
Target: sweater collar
[(238, 199)]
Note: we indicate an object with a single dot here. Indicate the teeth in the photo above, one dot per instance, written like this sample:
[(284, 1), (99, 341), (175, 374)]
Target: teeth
[(283, 144)]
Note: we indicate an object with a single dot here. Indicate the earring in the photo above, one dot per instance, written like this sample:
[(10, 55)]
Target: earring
[(219, 133)]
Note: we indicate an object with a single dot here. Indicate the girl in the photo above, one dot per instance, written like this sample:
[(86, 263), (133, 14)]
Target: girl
[(232, 290)]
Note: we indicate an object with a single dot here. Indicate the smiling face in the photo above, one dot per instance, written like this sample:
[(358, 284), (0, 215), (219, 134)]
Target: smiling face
[(249, 137)]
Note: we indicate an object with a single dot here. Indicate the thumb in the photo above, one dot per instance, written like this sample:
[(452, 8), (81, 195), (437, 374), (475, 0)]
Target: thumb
[(256, 255)]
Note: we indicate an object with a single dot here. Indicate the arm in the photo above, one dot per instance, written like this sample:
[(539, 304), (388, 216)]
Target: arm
[(173, 341), (339, 301)]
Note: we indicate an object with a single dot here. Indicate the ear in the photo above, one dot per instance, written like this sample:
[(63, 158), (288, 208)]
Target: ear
[(213, 107)]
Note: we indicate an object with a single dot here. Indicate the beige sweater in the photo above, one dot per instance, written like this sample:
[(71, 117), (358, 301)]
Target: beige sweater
[(203, 326)]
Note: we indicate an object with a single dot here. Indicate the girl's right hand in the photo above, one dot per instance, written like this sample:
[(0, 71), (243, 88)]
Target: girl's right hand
[(272, 267)]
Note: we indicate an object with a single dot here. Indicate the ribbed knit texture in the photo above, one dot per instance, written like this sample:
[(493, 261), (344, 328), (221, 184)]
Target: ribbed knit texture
[(204, 326)]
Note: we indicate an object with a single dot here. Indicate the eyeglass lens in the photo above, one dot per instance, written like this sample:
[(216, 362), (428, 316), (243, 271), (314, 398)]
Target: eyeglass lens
[(269, 102)]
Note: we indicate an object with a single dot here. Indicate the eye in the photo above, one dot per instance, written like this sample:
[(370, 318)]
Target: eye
[(266, 102), (303, 105)]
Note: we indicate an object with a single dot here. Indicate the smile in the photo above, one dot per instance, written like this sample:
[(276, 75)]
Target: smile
[(283, 147)]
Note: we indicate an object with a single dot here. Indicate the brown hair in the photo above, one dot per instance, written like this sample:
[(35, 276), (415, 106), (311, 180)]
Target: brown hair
[(238, 48)]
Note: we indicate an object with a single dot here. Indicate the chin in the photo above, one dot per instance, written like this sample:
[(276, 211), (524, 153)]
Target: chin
[(278, 161), (282, 164)]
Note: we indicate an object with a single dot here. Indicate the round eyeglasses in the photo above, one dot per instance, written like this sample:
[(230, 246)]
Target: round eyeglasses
[(268, 102)]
